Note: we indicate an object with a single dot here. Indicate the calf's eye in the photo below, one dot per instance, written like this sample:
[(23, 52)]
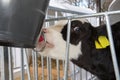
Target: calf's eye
[(76, 29)]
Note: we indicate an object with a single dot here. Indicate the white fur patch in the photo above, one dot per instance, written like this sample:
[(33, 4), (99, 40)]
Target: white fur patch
[(59, 49)]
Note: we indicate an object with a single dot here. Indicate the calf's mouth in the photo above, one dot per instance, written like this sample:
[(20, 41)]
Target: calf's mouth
[(43, 43)]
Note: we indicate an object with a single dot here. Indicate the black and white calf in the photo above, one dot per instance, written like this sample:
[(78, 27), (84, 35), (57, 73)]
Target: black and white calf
[(89, 46)]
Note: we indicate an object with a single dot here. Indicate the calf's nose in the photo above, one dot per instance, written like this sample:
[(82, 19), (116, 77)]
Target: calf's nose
[(44, 30)]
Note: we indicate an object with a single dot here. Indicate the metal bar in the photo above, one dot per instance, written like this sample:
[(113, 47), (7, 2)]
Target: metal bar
[(50, 61), (48, 69), (33, 64), (14, 59), (84, 16), (4, 63), (63, 63), (27, 64), (98, 9), (42, 64), (1, 62), (22, 64), (73, 71), (56, 15), (10, 64), (91, 76), (112, 48), (47, 23), (67, 51), (80, 73), (58, 69), (86, 75), (65, 10), (57, 61), (36, 66)]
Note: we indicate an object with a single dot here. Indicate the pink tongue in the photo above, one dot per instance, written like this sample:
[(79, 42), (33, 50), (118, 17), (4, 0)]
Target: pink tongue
[(42, 43), (41, 38)]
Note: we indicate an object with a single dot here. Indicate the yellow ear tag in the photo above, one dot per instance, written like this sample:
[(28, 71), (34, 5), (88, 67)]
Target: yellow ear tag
[(102, 42), (97, 45)]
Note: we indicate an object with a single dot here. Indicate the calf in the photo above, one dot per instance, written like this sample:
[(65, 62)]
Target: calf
[(89, 46)]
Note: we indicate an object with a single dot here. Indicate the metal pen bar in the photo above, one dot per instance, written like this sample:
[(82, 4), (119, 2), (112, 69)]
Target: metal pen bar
[(22, 64), (84, 16), (48, 60), (58, 69), (67, 51), (57, 61), (42, 64), (36, 66), (73, 72), (56, 15), (63, 65), (80, 73), (65, 10), (47, 23), (33, 64), (63, 62), (91, 76), (27, 64), (1, 62), (4, 63), (112, 48), (86, 75), (10, 64), (14, 59), (48, 69)]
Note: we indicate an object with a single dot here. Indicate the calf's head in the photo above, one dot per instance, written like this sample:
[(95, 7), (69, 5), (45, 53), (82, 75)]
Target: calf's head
[(56, 38)]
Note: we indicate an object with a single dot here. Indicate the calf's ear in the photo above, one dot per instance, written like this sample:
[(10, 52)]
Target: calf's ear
[(87, 26)]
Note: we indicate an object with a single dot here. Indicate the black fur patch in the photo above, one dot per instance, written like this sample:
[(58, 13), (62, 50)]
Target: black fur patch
[(78, 34)]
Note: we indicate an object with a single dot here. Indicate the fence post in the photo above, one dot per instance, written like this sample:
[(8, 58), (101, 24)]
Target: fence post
[(67, 51), (5, 64)]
